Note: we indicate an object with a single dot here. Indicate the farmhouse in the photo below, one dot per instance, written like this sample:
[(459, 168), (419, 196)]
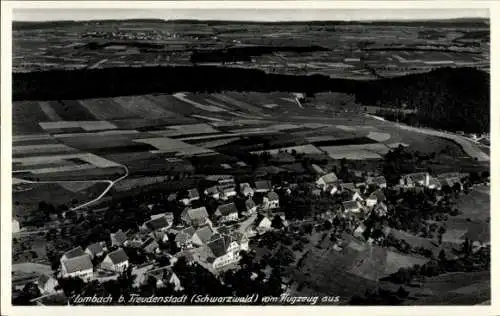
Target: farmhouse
[(195, 216), (246, 190), (351, 207), (359, 231), (271, 201), (118, 238), (226, 191), (327, 181), (262, 224), (226, 213), (15, 226), (115, 261), (378, 181), (76, 263), (47, 284), (202, 235), (96, 249), (183, 238), (415, 179), (262, 186), (434, 183), (150, 245)]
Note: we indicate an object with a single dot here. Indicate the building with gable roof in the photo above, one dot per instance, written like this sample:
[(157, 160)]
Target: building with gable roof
[(116, 261), (413, 180), (195, 216), (76, 263), (327, 180), (223, 250), (47, 284), (202, 235), (250, 206), (165, 276), (271, 201), (263, 186), (118, 238), (226, 213), (96, 249), (183, 239), (246, 190)]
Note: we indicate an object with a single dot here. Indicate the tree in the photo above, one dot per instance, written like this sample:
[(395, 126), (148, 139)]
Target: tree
[(277, 222), (442, 257)]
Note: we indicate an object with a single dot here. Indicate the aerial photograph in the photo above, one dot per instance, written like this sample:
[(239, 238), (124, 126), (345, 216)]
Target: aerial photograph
[(250, 157)]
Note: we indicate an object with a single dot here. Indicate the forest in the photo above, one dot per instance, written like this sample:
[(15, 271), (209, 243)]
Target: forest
[(455, 99)]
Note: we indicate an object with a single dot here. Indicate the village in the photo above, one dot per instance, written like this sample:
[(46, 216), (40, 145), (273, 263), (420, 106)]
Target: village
[(215, 225)]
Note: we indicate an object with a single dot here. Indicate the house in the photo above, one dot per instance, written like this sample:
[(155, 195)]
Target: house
[(246, 190), (352, 207), (250, 206), (226, 191), (115, 261), (450, 181), (76, 263), (262, 186), (415, 179), (158, 222), (223, 250), (118, 238), (226, 213), (327, 180), (380, 209), (183, 238), (192, 195), (165, 276), (186, 255), (374, 198), (96, 249), (195, 216), (262, 224), (47, 284), (213, 192), (379, 181), (15, 226), (271, 201), (434, 183), (150, 245), (202, 235), (359, 231)]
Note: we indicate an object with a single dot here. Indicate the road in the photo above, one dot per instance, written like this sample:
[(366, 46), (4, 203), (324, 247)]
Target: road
[(468, 145), (111, 183)]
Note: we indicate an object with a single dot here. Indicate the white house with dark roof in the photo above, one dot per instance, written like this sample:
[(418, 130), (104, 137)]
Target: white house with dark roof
[(96, 249), (150, 245), (115, 261), (374, 198), (223, 250), (195, 216), (226, 213), (271, 201), (76, 263)]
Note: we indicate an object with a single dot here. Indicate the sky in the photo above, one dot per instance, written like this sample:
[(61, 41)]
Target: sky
[(246, 15)]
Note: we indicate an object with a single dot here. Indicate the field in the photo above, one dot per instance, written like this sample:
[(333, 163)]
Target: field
[(475, 205), (135, 136)]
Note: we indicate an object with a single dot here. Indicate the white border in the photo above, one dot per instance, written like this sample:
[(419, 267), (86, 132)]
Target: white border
[(6, 154)]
